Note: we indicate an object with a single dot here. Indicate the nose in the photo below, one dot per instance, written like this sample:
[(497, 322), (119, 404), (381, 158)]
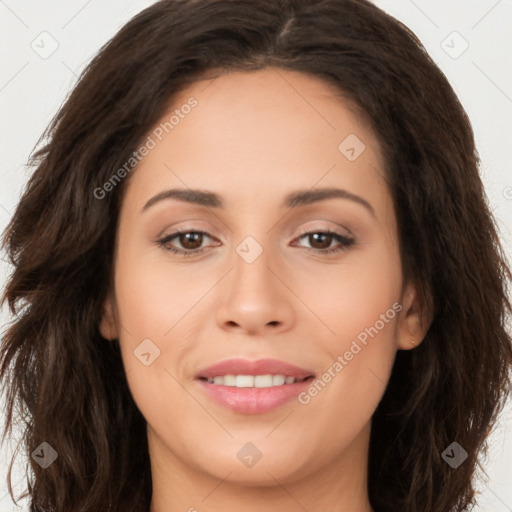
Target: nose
[(255, 298)]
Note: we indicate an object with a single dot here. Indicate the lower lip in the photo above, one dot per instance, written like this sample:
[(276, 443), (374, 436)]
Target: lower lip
[(253, 400)]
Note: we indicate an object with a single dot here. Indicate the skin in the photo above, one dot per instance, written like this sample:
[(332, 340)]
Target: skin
[(253, 138)]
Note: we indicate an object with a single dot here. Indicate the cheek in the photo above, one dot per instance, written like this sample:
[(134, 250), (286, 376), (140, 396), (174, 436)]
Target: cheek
[(153, 300), (153, 294), (364, 342), (157, 305), (361, 311), (361, 353), (351, 296)]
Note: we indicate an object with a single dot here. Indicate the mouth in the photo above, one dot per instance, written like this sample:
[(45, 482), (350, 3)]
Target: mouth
[(253, 381), (253, 387)]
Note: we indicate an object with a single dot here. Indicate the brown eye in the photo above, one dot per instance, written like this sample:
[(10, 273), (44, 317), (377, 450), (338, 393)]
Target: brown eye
[(184, 242), (321, 240), (191, 240)]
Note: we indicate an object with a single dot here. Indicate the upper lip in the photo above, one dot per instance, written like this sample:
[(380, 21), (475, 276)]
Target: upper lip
[(239, 366)]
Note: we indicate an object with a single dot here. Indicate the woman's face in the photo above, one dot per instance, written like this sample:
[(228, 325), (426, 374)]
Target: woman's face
[(268, 144)]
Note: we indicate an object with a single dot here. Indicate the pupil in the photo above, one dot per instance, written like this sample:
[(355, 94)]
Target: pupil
[(321, 235), (189, 238)]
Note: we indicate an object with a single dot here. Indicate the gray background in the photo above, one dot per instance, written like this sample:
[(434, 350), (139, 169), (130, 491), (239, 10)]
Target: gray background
[(34, 83)]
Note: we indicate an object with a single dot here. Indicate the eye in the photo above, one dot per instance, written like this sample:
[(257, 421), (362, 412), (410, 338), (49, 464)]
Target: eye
[(190, 241), (320, 241)]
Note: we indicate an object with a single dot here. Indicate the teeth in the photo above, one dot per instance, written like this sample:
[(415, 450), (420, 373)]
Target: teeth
[(252, 381), (229, 380)]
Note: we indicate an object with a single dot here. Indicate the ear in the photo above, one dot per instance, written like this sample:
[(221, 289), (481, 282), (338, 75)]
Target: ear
[(108, 323), (414, 319)]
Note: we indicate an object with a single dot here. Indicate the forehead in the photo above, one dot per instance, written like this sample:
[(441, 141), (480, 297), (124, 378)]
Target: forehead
[(254, 132)]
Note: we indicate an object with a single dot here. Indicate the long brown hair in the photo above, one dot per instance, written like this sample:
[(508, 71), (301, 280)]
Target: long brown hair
[(67, 383)]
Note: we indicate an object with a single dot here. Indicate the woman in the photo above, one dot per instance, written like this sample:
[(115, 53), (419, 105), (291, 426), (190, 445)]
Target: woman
[(255, 269)]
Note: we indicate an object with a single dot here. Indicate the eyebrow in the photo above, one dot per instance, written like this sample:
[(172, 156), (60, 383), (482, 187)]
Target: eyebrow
[(291, 200)]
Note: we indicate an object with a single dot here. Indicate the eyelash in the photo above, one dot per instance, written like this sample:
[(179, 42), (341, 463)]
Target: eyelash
[(345, 242)]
